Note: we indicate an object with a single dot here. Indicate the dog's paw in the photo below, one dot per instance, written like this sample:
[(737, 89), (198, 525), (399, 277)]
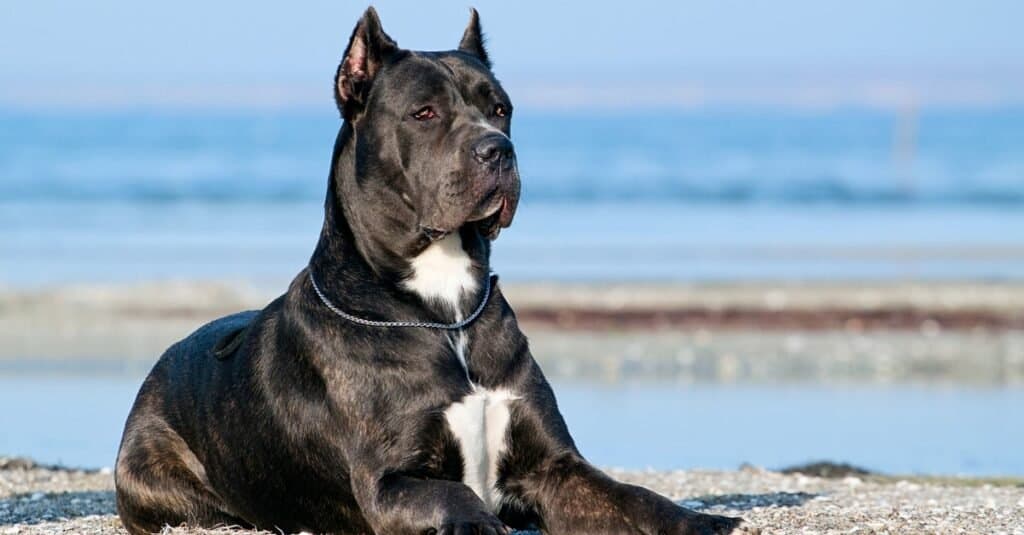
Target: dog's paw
[(741, 528), (702, 524), (472, 526)]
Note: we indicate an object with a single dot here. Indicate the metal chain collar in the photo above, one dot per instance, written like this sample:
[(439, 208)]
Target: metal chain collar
[(491, 278)]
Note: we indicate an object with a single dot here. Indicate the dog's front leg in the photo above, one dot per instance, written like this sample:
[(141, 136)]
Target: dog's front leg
[(546, 478), (400, 504), (573, 497)]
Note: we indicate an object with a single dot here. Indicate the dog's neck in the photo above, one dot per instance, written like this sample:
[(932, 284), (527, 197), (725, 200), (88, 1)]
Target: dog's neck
[(442, 276)]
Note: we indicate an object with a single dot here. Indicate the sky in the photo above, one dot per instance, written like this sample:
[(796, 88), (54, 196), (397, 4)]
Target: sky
[(125, 53)]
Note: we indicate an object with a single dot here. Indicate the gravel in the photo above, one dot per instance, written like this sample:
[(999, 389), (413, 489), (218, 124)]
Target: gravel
[(50, 500)]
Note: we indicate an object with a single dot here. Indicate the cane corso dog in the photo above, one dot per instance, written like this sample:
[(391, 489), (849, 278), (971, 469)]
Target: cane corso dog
[(389, 390)]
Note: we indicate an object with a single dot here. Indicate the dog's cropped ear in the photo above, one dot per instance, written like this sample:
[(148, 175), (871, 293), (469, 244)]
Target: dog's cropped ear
[(368, 49), (473, 39)]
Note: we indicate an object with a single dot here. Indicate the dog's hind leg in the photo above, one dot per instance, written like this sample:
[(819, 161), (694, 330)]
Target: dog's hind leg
[(160, 482)]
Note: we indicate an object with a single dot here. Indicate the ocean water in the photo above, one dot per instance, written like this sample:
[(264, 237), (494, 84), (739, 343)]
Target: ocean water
[(695, 195), (896, 429)]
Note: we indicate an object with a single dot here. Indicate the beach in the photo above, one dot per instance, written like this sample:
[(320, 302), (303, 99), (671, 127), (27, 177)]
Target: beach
[(51, 500), (953, 332)]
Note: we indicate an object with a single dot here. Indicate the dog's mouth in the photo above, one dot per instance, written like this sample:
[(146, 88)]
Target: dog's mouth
[(492, 212), (493, 219), (488, 223)]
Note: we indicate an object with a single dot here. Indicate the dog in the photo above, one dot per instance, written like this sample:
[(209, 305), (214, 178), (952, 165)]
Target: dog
[(389, 390)]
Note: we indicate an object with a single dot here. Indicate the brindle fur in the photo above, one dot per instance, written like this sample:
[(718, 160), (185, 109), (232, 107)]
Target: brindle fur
[(317, 424)]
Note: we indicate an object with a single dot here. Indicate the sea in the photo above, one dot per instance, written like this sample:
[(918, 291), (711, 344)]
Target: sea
[(893, 429), (677, 195), (692, 196)]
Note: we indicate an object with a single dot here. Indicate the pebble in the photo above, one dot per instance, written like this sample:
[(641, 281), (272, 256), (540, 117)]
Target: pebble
[(47, 501)]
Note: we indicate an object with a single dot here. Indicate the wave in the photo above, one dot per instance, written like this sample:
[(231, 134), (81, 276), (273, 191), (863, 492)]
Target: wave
[(970, 158), (819, 193)]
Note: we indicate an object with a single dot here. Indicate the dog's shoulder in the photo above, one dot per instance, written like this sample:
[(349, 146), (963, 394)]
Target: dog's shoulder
[(216, 338), (228, 326)]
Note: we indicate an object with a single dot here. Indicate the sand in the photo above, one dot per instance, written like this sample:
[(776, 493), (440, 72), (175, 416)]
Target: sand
[(50, 500)]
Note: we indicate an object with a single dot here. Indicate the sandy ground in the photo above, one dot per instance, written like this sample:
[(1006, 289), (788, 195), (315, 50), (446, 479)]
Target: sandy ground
[(879, 332), (46, 500)]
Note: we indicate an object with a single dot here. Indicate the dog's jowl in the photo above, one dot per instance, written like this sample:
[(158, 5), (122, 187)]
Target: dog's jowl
[(389, 390)]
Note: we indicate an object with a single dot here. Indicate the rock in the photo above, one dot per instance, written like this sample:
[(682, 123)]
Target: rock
[(827, 469)]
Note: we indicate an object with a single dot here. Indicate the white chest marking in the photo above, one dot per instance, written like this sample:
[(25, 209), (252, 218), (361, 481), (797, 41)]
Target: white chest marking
[(458, 344), (442, 272), (480, 424)]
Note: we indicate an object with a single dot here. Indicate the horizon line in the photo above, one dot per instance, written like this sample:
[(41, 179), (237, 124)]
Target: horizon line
[(875, 94)]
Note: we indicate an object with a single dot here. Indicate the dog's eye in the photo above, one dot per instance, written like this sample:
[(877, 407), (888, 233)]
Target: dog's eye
[(424, 113), (500, 110)]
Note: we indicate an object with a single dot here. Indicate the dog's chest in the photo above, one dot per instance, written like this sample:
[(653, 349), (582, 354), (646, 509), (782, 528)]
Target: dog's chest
[(479, 421)]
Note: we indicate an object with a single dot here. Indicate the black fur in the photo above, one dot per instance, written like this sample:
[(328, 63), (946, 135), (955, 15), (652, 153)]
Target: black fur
[(290, 418)]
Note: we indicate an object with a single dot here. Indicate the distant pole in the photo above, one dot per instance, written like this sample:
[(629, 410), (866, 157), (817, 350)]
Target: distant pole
[(904, 149)]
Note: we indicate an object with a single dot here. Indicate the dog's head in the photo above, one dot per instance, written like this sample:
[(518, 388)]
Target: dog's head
[(431, 133)]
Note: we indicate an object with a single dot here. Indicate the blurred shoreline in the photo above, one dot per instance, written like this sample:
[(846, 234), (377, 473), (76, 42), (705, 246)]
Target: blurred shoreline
[(758, 332), (693, 216)]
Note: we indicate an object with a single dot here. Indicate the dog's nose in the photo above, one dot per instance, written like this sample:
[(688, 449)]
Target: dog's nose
[(492, 147)]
